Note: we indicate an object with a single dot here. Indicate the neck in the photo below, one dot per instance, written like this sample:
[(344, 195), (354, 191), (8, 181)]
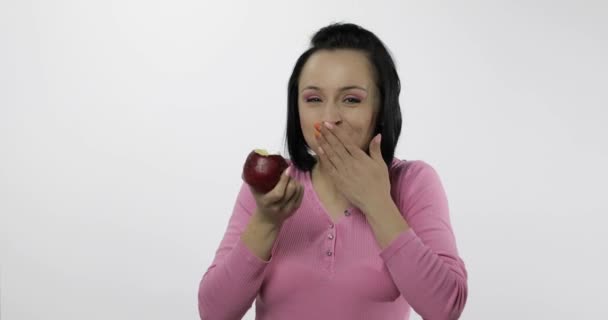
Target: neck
[(322, 180)]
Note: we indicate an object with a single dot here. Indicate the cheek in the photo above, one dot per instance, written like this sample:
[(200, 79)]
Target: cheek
[(308, 131)]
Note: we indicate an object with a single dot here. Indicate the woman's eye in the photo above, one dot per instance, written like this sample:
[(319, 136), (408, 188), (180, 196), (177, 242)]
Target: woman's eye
[(312, 100), (350, 100)]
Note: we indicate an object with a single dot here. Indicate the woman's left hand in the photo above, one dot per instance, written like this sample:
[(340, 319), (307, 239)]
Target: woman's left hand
[(363, 180)]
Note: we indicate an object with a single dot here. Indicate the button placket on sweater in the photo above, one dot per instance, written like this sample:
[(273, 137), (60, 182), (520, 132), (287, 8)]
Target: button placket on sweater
[(331, 237)]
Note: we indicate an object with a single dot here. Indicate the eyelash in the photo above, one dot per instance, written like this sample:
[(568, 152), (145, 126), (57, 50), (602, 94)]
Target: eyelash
[(356, 100)]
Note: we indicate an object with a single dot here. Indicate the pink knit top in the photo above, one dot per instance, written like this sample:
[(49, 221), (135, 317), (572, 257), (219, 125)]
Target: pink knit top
[(324, 270)]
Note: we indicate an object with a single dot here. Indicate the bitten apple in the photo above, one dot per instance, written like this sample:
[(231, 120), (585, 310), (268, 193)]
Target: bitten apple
[(262, 171)]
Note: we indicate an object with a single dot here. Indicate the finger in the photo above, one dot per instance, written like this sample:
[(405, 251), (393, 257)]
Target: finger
[(335, 150), (293, 196), (297, 200), (345, 133), (254, 192), (277, 193), (330, 153), (338, 138), (290, 192), (279, 205), (301, 196), (326, 163)]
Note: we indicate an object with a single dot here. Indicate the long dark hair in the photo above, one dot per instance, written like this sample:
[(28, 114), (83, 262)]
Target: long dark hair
[(388, 123)]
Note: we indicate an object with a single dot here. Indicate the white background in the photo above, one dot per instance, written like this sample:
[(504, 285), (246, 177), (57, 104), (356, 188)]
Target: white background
[(124, 126)]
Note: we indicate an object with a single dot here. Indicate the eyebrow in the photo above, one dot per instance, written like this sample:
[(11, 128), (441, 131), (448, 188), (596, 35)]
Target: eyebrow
[(341, 89)]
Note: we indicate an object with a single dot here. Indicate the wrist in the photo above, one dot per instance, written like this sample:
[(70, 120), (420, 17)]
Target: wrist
[(387, 223), (378, 205), (261, 220)]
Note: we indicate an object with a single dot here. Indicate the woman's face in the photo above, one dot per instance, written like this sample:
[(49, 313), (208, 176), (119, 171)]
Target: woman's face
[(337, 87)]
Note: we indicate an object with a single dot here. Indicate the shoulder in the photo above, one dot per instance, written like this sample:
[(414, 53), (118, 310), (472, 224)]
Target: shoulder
[(410, 169), (410, 176), (416, 185)]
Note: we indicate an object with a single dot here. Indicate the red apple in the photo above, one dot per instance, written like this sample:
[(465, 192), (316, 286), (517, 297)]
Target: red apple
[(262, 171)]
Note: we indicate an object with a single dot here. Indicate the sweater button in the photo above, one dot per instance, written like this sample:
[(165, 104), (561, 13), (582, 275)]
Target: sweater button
[(346, 212), (330, 236), (329, 253)]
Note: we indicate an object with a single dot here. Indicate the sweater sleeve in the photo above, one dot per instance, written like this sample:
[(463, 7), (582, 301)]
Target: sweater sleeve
[(423, 261), (232, 281)]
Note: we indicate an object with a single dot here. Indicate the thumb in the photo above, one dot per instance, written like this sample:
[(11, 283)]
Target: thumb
[(374, 148)]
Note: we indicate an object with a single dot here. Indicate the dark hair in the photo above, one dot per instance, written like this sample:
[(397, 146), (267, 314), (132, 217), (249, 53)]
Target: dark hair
[(388, 123)]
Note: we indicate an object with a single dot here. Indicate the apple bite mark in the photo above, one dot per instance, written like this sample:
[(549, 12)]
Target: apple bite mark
[(262, 152)]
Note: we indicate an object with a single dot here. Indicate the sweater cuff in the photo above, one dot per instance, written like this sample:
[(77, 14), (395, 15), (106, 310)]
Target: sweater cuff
[(404, 238)]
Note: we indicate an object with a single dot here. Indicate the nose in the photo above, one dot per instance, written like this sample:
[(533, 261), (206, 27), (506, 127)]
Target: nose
[(332, 121), (332, 115)]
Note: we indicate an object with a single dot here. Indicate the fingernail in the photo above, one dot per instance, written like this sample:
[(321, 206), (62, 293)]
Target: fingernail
[(328, 125), (287, 171), (379, 138)]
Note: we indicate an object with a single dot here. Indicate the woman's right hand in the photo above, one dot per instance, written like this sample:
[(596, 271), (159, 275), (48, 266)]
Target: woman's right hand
[(281, 202)]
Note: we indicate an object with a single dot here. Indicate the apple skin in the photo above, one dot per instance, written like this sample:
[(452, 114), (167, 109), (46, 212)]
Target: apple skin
[(263, 172)]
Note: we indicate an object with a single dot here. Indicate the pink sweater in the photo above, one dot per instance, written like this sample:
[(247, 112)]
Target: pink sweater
[(322, 270)]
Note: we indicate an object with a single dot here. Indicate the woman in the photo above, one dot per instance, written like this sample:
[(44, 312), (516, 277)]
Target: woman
[(349, 232)]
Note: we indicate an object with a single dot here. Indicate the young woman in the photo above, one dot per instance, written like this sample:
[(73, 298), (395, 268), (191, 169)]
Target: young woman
[(350, 231)]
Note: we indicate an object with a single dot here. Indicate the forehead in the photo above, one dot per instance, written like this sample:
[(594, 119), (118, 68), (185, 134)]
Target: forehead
[(333, 69)]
